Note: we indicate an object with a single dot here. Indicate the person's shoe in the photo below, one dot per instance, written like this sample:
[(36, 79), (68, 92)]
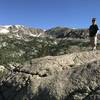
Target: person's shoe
[(94, 48)]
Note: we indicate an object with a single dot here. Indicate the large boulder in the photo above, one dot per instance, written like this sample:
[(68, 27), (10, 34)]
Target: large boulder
[(67, 77)]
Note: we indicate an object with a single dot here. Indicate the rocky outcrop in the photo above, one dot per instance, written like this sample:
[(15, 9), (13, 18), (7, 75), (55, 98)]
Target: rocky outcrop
[(73, 76)]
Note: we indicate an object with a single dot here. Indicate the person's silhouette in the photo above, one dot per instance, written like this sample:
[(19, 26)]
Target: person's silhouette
[(93, 34)]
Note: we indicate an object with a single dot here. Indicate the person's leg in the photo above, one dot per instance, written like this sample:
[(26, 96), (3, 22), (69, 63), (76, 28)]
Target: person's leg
[(92, 42), (95, 42)]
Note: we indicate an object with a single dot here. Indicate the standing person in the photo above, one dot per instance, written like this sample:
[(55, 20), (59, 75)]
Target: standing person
[(93, 34)]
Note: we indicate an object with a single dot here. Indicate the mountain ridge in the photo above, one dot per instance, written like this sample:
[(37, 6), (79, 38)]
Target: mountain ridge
[(58, 32)]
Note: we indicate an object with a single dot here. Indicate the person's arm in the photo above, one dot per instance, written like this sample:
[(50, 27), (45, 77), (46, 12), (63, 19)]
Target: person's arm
[(97, 27), (89, 29), (97, 31)]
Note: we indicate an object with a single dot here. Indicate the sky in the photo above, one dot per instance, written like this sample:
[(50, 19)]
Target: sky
[(46, 14)]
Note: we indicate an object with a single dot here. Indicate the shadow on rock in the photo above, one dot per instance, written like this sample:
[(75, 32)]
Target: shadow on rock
[(44, 94), (15, 91)]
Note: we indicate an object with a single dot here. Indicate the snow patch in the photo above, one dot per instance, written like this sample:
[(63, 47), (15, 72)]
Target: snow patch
[(74, 28), (2, 68), (44, 30), (19, 26), (7, 26), (4, 31)]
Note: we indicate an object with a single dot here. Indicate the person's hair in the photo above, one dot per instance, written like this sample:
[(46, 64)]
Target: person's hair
[(93, 19)]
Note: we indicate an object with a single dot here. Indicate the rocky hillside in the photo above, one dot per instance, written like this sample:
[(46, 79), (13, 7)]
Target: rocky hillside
[(23, 32), (20, 31), (17, 50), (61, 32), (35, 65)]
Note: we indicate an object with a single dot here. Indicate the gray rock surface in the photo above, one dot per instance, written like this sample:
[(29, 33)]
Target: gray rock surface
[(73, 76)]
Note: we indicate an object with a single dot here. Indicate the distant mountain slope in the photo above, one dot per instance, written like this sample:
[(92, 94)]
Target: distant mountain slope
[(61, 32), (23, 32), (20, 31)]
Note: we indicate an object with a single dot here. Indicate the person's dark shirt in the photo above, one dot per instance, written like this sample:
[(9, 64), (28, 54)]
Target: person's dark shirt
[(93, 30)]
